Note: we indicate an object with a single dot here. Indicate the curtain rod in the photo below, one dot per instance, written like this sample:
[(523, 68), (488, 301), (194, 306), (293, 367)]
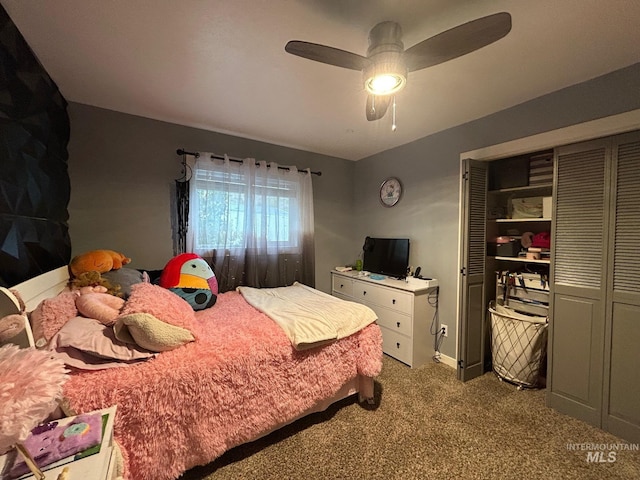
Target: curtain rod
[(181, 152)]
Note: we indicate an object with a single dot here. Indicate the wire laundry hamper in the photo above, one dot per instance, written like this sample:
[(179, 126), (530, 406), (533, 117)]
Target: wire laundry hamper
[(518, 346)]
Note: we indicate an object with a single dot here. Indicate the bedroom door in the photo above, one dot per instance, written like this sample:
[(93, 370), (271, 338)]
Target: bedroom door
[(471, 338)]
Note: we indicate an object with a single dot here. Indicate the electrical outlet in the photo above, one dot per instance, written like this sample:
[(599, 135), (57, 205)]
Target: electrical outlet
[(445, 330)]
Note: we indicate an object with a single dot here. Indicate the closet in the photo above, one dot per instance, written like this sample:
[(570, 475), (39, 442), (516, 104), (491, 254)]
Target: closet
[(493, 193), (519, 202), (594, 358), (593, 369)]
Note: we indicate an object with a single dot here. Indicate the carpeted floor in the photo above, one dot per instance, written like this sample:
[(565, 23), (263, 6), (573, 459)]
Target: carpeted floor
[(428, 425)]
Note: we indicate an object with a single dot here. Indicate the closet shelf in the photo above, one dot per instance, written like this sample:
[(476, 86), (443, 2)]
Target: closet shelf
[(521, 220), (543, 187), (523, 260)]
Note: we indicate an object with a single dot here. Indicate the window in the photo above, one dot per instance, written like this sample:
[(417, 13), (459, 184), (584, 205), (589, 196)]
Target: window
[(233, 208), (252, 223)]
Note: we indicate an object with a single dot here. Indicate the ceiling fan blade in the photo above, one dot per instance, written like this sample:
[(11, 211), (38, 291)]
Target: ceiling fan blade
[(377, 106), (329, 55), (458, 41)]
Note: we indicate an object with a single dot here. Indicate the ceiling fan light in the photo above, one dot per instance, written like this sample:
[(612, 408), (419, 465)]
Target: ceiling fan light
[(385, 76), (385, 84)]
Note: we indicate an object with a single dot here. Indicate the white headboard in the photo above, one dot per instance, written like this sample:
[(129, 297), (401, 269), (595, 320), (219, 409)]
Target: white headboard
[(36, 289)]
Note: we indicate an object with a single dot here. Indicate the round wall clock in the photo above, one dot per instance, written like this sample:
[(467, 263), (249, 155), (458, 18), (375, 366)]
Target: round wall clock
[(390, 192)]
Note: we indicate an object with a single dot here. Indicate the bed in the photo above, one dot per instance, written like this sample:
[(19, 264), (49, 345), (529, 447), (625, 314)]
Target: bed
[(239, 380)]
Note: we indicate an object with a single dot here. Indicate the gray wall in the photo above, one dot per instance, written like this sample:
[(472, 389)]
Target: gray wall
[(430, 171), (122, 168)]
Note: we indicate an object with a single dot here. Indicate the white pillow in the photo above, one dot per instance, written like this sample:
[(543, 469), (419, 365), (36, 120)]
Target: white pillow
[(150, 333)]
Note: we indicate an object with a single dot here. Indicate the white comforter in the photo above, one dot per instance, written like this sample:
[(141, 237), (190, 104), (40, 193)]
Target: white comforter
[(310, 318)]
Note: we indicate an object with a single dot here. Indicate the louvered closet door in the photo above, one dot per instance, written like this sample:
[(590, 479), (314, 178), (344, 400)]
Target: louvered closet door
[(579, 245), (472, 308), (622, 346)]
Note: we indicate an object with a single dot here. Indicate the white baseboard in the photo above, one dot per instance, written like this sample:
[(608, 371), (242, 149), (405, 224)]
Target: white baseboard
[(451, 362)]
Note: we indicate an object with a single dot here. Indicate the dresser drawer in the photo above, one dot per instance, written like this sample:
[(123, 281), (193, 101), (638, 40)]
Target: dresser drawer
[(342, 285), (396, 345), (386, 297), (342, 297), (394, 320)]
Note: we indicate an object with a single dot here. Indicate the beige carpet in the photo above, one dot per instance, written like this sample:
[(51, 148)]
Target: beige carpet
[(428, 425)]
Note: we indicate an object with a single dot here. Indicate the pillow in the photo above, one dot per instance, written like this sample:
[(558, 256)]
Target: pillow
[(51, 315), (87, 343), (191, 278), (148, 332), (101, 306), (162, 304), (125, 277)]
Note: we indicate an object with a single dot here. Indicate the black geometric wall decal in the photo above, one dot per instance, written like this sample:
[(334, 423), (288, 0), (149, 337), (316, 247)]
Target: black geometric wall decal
[(34, 180)]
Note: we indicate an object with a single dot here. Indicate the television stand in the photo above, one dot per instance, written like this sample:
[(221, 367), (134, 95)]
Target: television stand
[(404, 308)]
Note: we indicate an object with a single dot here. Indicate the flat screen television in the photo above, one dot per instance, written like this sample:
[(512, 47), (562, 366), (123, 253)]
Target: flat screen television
[(386, 256)]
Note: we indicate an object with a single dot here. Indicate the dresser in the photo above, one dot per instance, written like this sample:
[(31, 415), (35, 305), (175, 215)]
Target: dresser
[(405, 310)]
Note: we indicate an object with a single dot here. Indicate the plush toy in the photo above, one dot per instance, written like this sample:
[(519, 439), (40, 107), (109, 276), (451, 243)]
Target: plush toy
[(13, 325), (190, 277), (99, 305), (100, 261), (93, 281), (12, 329)]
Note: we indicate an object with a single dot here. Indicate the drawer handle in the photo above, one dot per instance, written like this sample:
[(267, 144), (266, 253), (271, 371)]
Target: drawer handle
[(364, 292), (342, 285), (398, 323), (393, 301), (397, 344)]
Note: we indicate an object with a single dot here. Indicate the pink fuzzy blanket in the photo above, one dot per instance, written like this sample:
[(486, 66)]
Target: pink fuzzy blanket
[(239, 379)]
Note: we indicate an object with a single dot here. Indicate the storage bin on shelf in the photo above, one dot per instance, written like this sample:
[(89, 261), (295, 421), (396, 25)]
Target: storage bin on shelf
[(518, 346)]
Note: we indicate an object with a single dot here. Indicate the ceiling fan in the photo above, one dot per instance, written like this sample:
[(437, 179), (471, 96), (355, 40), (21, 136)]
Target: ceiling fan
[(387, 63)]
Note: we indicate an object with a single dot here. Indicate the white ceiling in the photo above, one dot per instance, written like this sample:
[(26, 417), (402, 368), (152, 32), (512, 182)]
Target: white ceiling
[(220, 65)]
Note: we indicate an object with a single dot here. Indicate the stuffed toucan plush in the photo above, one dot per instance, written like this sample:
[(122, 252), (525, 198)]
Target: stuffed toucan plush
[(190, 277)]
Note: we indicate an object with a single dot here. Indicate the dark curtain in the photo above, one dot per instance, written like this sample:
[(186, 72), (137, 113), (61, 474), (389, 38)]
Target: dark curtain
[(180, 216)]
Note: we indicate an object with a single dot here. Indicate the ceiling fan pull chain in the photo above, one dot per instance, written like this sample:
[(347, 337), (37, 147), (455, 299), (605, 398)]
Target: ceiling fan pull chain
[(393, 120)]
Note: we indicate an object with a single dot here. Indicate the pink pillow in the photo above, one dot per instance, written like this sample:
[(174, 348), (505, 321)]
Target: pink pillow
[(87, 344), (101, 306), (51, 315), (162, 304)]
